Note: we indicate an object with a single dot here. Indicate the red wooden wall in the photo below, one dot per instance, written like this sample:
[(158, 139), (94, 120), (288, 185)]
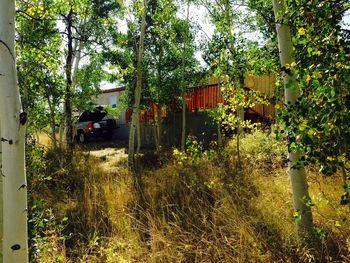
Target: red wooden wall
[(207, 97), (201, 98)]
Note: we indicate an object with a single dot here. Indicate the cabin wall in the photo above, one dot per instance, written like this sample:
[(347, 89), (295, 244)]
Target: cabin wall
[(112, 98), (198, 124)]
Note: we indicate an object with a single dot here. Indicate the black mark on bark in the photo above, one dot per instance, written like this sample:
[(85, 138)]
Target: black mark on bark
[(16, 247), (22, 186), (5, 140), (23, 118), (9, 50)]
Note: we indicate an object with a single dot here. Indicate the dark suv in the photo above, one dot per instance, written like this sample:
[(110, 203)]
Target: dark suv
[(94, 123)]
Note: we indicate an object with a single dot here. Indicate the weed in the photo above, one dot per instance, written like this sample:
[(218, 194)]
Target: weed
[(196, 208)]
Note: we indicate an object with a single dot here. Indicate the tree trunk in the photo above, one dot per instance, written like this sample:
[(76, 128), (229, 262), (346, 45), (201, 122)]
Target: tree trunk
[(61, 134), (1, 205), (68, 91), (156, 123), (137, 92), (183, 131), (155, 132), (183, 86), (52, 123), (138, 137), (240, 120), (159, 126), (77, 52), (292, 93), (219, 122), (15, 242), (73, 57)]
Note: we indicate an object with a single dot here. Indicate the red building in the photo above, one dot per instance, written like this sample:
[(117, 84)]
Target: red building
[(207, 97)]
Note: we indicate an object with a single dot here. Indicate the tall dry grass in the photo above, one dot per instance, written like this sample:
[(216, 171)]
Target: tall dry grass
[(199, 210)]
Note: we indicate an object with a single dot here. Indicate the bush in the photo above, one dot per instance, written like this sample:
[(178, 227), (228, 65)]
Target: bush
[(46, 240), (260, 149)]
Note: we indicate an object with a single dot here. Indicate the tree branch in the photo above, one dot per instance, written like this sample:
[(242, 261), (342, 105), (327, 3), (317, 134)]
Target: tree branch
[(37, 18)]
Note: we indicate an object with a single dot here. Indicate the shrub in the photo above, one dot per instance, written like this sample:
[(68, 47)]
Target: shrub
[(261, 149)]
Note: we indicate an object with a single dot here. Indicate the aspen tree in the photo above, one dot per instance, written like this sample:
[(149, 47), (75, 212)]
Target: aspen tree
[(136, 107), (13, 120), (1, 205), (297, 171)]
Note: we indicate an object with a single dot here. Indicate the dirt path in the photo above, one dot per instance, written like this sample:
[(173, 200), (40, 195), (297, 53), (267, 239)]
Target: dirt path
[(111, 150)]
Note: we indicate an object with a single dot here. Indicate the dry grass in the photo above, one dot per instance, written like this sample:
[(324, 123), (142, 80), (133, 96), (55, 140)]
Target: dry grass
[(195, 212), (44, 139)]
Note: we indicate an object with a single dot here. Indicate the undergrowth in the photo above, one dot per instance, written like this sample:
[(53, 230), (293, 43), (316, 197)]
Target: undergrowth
[(195, 207)]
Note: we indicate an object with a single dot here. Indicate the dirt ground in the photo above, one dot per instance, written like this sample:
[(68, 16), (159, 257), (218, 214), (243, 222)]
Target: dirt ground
[(111, 150)]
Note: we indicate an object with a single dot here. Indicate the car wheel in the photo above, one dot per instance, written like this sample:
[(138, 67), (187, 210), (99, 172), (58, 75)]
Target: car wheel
[(81, 137)]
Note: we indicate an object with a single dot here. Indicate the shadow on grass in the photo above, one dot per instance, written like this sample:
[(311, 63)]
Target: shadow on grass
[(100, 144)]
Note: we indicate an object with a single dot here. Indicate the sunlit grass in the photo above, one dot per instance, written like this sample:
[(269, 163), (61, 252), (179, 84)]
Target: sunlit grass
[(202, 211)]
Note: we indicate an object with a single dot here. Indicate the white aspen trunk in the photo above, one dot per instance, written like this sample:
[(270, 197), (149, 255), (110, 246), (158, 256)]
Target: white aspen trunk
[(15, 243), (137, 93), (77, 48), (1, 205), (297, 174), (77, 58)]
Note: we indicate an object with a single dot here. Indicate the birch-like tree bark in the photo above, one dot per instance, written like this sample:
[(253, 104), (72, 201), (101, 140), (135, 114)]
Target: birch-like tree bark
[(292, 93), (15, 246), (77, 58), (1, 205), (137, 93)]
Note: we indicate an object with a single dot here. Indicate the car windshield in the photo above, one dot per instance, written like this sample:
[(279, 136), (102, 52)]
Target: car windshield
[(92, 116)]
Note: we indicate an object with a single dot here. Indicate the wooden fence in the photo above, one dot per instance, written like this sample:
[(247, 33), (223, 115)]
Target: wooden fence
[(207, 97), (265, 85), (201, 98)]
